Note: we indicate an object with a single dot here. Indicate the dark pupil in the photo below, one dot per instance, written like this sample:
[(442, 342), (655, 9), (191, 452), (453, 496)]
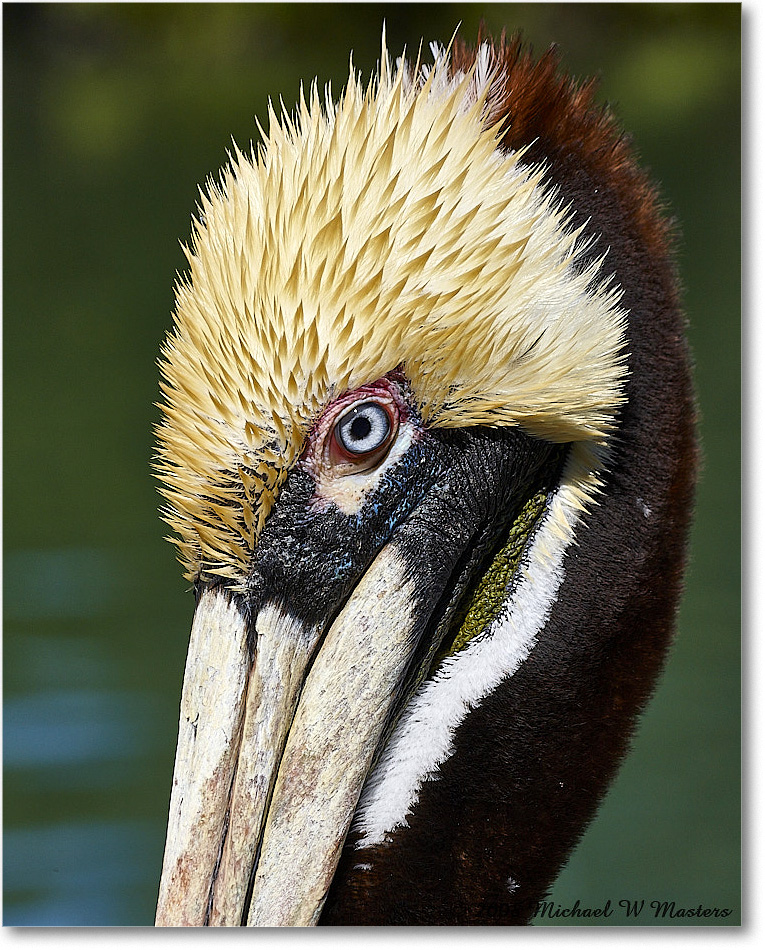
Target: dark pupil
[(360, 428)]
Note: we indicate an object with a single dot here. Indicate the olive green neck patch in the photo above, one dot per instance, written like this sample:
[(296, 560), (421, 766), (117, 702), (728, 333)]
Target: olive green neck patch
[(484, 602)]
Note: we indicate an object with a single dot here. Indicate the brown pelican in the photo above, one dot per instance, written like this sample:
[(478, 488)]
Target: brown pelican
[(428, 453)]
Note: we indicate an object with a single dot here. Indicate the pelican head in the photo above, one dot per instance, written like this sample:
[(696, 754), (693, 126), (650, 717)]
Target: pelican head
[(428, 455)]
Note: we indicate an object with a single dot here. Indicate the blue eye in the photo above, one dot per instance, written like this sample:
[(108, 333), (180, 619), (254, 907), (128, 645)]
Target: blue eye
[(365, 428)]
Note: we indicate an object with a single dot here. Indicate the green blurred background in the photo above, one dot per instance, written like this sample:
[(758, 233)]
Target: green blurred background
[(112, 116)]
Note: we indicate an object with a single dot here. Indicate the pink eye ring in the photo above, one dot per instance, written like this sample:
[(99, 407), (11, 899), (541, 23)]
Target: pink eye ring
[(362, 435), (356, 432)]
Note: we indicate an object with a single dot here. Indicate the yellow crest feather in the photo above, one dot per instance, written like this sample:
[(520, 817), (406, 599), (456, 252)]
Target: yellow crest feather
[(384, 230)]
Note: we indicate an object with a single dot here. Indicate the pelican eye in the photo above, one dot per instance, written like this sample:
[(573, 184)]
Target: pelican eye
[(363, 434), (366, 428)]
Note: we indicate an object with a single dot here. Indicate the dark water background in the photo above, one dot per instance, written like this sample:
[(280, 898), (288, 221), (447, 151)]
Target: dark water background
[(112, 116)]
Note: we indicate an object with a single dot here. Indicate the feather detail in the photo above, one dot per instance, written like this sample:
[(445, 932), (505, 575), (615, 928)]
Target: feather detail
[(388, 229)]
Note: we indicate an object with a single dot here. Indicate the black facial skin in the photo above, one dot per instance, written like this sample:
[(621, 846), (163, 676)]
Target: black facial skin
[(443, 505)]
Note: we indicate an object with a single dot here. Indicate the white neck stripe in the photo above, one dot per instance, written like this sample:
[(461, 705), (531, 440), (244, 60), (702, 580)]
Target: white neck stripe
[(422, 739)]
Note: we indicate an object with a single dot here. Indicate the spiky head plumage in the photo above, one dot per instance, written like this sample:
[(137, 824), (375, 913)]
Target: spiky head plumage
[(385, 230)]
